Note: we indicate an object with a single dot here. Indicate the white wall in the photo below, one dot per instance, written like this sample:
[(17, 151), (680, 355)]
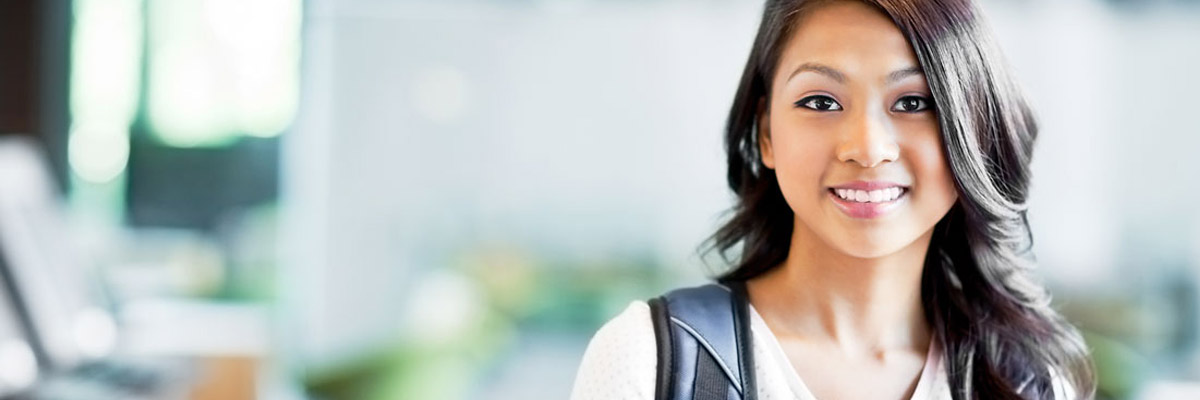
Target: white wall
[(582, 131)]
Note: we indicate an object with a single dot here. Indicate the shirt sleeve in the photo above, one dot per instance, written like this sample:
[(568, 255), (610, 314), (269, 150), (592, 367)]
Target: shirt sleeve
[(621, 358)]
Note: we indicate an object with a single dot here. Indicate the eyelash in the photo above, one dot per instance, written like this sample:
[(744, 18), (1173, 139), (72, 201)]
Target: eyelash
[(805, 102), (923, 103)]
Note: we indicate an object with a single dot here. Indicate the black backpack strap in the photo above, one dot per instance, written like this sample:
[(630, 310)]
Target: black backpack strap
[(704, 344), (741, 317), (662, 338)]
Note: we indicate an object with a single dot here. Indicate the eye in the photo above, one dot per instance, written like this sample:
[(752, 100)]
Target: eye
[(911, 104), (819, 102)]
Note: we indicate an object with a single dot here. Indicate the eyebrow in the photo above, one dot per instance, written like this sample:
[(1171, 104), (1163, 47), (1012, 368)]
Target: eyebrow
[(820, 69), (903, 73), (838, 76)]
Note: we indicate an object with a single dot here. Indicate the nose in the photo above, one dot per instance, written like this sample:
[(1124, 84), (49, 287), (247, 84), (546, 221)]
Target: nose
[(868, 139)]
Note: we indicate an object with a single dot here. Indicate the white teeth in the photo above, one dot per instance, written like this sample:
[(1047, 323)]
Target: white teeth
[(873, 196)]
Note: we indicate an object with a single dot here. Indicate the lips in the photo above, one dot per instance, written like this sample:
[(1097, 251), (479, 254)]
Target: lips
[(868, 199)]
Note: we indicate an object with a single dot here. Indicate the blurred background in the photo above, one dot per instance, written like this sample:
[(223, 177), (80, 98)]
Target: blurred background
[(418, 199)]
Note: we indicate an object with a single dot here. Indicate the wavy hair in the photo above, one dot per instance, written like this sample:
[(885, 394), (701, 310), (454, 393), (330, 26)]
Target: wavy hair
[(1002, 338)]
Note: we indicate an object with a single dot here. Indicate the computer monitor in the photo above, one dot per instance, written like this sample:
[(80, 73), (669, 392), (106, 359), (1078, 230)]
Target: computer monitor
[(58, 292)]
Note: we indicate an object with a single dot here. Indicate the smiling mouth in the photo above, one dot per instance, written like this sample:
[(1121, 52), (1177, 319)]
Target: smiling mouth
[(869, 200), (885, 195)]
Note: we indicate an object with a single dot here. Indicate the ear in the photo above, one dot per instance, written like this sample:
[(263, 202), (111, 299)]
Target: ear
[(764, 135)]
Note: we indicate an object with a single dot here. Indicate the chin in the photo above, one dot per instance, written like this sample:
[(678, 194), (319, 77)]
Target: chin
[(860, 245)]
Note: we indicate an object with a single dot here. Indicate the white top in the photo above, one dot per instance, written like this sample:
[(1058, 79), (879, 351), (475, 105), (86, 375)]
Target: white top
[(621, 358)]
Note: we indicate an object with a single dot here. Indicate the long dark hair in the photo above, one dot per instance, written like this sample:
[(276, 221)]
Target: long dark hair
[(1002, 338)]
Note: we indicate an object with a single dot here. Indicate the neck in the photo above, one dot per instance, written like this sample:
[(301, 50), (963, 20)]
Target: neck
[(861, 305)]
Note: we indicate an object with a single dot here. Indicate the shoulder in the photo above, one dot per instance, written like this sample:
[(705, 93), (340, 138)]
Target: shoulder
[(620, 359)]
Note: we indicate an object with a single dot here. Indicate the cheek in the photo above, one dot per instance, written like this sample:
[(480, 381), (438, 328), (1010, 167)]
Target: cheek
[(936, 191), (801, 155)]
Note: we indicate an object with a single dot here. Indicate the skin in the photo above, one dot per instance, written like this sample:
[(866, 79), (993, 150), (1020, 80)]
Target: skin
[(845, 305)]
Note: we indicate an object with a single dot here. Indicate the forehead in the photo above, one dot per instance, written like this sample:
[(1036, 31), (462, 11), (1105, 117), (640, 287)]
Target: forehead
[(850, 36)]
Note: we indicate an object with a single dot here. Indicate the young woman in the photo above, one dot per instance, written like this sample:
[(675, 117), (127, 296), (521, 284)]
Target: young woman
[(879, 150)]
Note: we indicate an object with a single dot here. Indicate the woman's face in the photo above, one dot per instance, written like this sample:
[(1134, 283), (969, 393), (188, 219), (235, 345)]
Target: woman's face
[(852, 134)]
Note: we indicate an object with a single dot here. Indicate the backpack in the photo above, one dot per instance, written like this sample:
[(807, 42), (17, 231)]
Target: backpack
[(704, 345)]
